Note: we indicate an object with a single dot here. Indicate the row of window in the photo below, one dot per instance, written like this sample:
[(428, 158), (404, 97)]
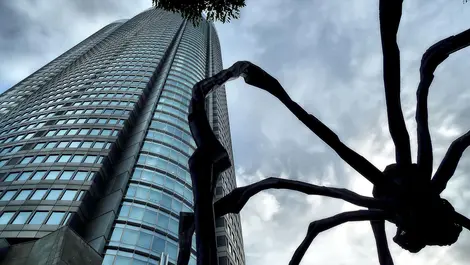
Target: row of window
[(90, 121), (110, 95), (39, 194), (178, 90), (164, 165), (19, 129), (78, 158), (173, 110), (17, 138), (92, 89), (149, 216), (11, 150), (168, 93), (71, 144), (173, 103), (173, 130), (166, 151), (34, 118), (38, 218), (155, 196), (172, 120), (161, 180), (94, 132), (173, 141), (144, 240), (101, 111), (105, 103), (51, 175)]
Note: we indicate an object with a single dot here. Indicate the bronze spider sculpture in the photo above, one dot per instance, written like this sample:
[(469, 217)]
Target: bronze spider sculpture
[(404, 193)]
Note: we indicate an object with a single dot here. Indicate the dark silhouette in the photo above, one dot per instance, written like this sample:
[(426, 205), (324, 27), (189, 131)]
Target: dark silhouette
[(404, 193), (222, 11)]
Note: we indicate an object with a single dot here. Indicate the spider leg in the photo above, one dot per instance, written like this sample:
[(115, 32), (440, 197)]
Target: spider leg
[(319, 226), (448, 165), (256, 76), (433, 56), (378, 227), (390, 15), (462, 220), (237, 198), (185, 233)]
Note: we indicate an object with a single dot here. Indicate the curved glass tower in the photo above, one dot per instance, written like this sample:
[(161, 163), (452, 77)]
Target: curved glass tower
[(98, 140)]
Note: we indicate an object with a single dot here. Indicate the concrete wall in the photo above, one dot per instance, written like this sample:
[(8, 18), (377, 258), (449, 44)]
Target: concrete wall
[(62, 247)]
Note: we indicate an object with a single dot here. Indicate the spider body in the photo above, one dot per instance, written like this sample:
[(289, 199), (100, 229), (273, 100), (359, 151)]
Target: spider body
[(422, 217)]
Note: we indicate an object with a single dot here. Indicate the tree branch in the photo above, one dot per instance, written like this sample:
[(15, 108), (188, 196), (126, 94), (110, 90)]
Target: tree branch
[(319, 226), (390, 15)]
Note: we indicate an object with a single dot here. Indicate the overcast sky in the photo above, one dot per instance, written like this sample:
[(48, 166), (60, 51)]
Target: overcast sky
[(327, 55)]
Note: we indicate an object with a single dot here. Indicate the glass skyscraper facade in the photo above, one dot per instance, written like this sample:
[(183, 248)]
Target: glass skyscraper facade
[(98, 140)]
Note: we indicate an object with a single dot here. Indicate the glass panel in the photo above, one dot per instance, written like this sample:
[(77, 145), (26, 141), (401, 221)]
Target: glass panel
[(6, 217), (55, 218), (81, 175), (38, 175), (90, 159), (69, 195), (130, 237), (116, 236), (23, 195), (64, 158), (53, 195), (74, 144), (51, 159), (8, 195), (38, 218), (11, 177), (52, 174), (66, 175), (38, 195), (136, 213), (158, 244), (144, 240), (163, 220), (25, 175), (21, 218), (77, 159)]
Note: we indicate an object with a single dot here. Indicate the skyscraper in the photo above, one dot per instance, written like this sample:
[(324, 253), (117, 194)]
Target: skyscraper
[(97, 140)]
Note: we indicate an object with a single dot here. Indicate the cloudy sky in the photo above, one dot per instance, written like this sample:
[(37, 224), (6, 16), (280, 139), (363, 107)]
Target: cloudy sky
[(327, 55)]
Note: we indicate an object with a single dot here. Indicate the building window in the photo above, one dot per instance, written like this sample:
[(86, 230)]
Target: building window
[(38, 218), (53, 194), (69, 195), (21, 218), (23, 195), (6, 217), (8, 195), (38, 195), (55, 218)]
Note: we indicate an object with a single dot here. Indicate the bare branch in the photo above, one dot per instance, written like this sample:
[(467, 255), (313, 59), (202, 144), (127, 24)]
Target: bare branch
[(319, 226), (390, 15), (237, 198), (378, 227)]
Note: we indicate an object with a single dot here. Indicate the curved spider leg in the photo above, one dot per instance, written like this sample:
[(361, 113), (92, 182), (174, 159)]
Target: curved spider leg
[(185, 234), (237, 198), (433, 56), (378, 227), (319, 226), (446, 169), (390, 15), (256, 76)]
